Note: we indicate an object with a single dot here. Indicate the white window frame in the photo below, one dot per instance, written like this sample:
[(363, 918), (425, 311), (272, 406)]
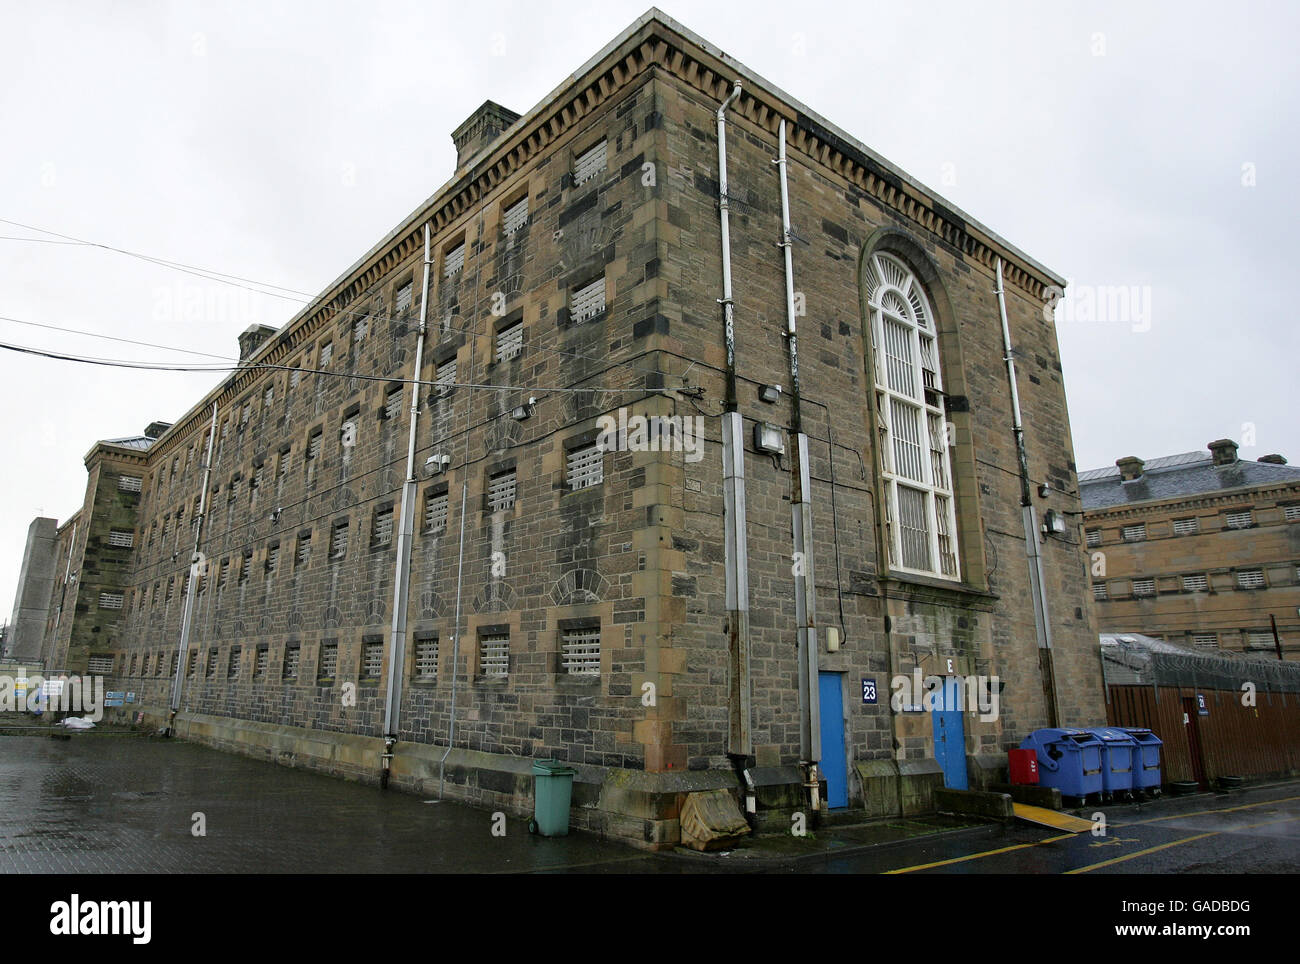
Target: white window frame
[(393, 404), (1291, 513), (908, 368), (580, 651), (584, 466), (326, 354)]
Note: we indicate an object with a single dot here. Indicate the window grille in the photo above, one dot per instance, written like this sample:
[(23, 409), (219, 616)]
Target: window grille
[(272, 559), (313, 446), (372, 660), (295, 376), (132, 483), (121, 539), (1185, 527), (426, 658), (192, 664), (516, 216), (212, 663), (435, 512), (360, 328), (326, 353), (393, 404), (111, 600), (1250, 578), (580, 655), (454, 260), (1205, 640), (99, 665), (1099, 591), (383, 530), (445, 378), (1258, 640), (339, 541), (304, 549), (1135, 533), (587, 301), (268, 396), (1195, 583), (586, 466), (263, 661), (404, 296), (1144, 587), (510, 342), (494, 655), (501, 491), (1292, 513), (292, 657), (590, 163), (1094, 537), (1237, 520), (329, 660), (246, 567)]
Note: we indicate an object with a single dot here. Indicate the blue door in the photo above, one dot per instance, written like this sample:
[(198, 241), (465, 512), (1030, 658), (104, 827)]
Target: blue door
[(949, 736), (833, 763)]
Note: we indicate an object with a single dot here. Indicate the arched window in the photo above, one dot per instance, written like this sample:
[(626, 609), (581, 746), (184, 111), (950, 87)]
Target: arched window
[(920, 524)]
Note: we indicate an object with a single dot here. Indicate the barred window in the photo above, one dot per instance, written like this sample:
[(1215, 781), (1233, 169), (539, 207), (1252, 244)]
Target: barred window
[(501, 491), (920, 508), (383, 528), (339, 540), (454, 260), (212, 662), (1134, 533), (111, 600), (268, 396), (589, 163), (272, 559), (1195, 583), (295, 376), (360, 328), (1185, 527), (580, 652), (426, 658), (192, 663), (303, 552), (232, 671), (516, 216), (510, 341), (1144, 587), (326, 353), (404, 296), (263, 661), (1205, 640), (393, 404), (171, 587), (225, 573), (313, 446), (1292, 513), (129, 483), (121, 538), (586, 466), (1099, 591), (1250, 578), (329, 660), (372, 660), (445, 378), (1094, 537), (1238, 520), (494, 654), (246, 567), (99, 665), (133, 662), (1260, 640), (435, 512), (292, 658), (587, 301), (281, 466)]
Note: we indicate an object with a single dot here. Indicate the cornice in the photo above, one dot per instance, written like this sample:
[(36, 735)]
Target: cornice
[(1227, 496)]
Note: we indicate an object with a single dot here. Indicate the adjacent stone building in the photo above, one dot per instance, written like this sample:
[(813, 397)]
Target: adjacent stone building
[(1198, 549), (618, 540)]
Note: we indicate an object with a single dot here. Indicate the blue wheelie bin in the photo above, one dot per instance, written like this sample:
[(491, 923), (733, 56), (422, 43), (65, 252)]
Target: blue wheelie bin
[(1146, 759), (1118, 749), (1068, 759)]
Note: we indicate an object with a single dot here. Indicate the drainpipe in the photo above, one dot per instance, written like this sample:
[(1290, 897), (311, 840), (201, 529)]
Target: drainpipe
[(455, 649), (1029, 517), (187, 616), (63, 595), (805, 594), (736, 553), (402, 572)]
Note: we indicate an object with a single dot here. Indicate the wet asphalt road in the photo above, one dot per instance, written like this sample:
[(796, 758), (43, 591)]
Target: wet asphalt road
[(107, 803)]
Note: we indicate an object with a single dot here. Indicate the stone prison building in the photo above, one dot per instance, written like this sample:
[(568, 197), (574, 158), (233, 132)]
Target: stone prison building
[(664, 617)]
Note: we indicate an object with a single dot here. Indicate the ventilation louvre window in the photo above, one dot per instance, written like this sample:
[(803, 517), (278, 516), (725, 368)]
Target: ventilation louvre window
[(501, 491), (192, 663), (329, 660), (435, 512), (1144, 587), (304, 549), (1205, 640), (587, 301), (292, 658), (246, 567), (1185, 527), (360, 328), (445, 378), (1237, 520), (1135, 533), (133, 483), (233, 671), (313, 446), (326, 353), (1094, 537), (1260, 641), (272, 559), (372, 660), (212, 663), (494, 655), (516, 216), (1195, 583), (295, 376), (1250, 578), (121, 539), (586, 466), (1292, 513), (590, 163), (263, 661), (454, 260), (1099, 591), (510, 341), (383, 531), (339, 541), (99, 665), (111, 600), (580, 655), (393, 404), (404, 296), (268, 397), (426, 659)]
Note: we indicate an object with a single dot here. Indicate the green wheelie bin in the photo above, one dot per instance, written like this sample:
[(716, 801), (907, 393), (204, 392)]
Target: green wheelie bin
[(552, 791)]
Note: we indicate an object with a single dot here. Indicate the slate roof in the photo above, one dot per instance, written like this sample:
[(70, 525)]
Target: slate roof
[(138, 442), (1178, 476)]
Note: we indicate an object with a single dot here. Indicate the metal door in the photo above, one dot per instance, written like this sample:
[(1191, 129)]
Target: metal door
[(834, 764), (950, 735), (1192, 724)]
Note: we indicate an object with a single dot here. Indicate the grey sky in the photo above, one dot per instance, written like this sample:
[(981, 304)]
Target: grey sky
[(280, 141)]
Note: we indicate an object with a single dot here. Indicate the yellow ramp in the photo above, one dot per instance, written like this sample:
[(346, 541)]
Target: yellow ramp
[(1051, 818)]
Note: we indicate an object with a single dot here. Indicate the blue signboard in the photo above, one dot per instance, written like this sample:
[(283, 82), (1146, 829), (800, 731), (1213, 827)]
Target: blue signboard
[(1202, 708), (868, 690)]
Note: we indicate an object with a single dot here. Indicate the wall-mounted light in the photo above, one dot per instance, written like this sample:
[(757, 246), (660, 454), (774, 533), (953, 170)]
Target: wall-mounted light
[(1053, 523), (769, 393), (436, 463), (1043, 490), (524, 412), (769, 438)]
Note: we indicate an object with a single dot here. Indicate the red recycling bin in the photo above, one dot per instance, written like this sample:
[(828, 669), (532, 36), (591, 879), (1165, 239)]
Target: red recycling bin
[(1023, 765)]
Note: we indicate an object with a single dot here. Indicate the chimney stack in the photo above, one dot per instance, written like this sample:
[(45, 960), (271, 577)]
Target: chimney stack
[(1224, 451), (1274, 459), (1130, 467), (156, 429), (252, 339), (483, 127)]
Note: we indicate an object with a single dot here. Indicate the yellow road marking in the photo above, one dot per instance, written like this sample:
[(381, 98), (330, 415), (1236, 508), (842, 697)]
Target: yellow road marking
[(1175, 843), (1199, 813), (1051, 818), (987, 853)]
